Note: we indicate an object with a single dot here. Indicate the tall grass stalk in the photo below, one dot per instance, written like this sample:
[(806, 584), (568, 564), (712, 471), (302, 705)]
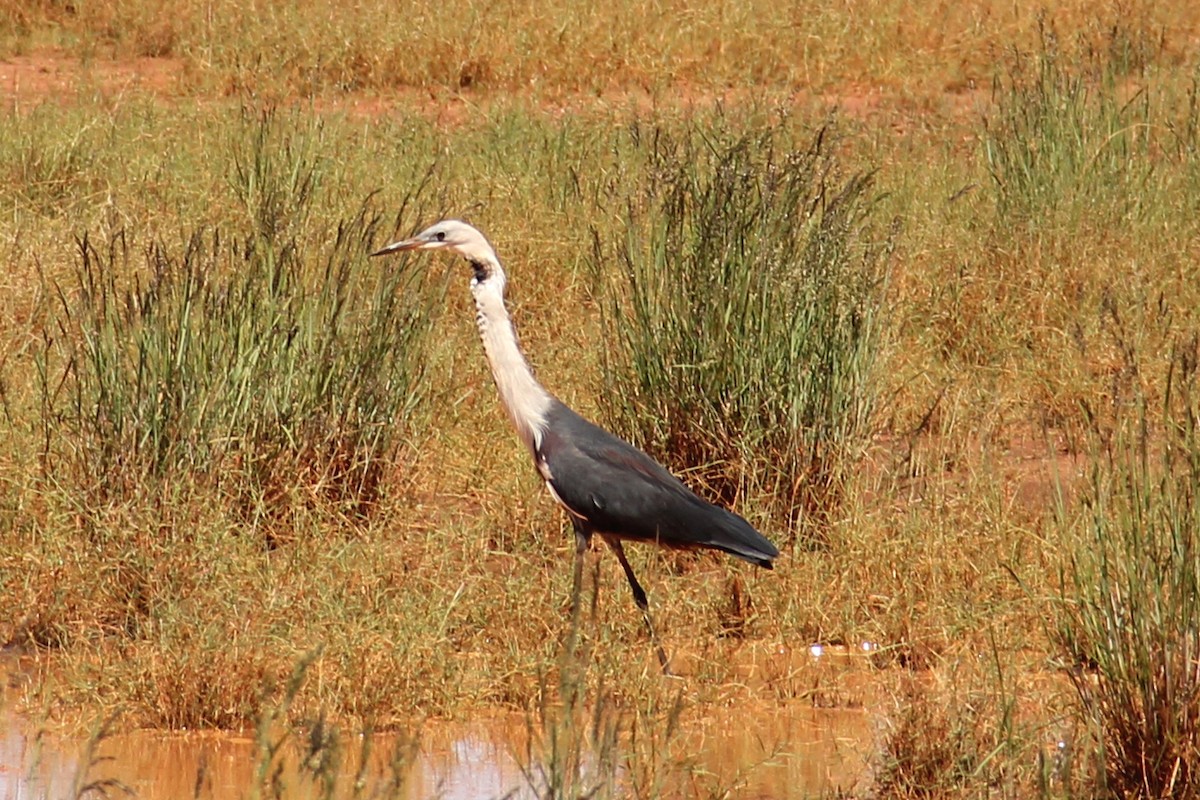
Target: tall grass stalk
[(1130, 619), (317, 762), (571, 749), (743, 315), (86, 784)]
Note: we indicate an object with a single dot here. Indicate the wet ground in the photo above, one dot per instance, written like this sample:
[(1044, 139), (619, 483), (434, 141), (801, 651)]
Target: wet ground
[(794, 749)]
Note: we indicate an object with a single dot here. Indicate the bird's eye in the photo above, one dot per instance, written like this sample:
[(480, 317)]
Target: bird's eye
[(440, 236)]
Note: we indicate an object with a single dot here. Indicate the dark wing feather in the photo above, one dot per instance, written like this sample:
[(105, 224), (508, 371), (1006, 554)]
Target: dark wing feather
[(620, 490)]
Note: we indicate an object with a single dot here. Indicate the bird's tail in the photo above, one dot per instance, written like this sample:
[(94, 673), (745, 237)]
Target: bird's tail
[(730, 533)]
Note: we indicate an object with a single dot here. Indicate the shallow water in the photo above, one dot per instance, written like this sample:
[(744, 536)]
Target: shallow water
[(780, 750)]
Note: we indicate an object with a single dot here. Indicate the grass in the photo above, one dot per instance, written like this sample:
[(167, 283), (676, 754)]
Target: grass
[(228, 47), (233, 359), (1131, 611), (742, 329), (938, 744), (230, 439), (1075, 141)]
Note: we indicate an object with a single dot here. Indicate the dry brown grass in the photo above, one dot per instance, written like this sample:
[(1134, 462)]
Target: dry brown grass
[(231, 47), (1009, 338)]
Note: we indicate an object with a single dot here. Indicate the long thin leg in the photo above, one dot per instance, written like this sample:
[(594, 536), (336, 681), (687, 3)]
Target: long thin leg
[(581, 546), (639, 597), (582, 538)]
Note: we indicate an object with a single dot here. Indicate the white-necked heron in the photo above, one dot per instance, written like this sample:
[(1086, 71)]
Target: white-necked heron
[(607, 486)]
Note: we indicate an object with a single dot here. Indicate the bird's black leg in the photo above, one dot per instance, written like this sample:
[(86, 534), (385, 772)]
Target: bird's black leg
[(582, 538), (639, 597)]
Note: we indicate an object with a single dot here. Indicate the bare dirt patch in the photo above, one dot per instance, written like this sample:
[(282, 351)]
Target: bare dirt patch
[(53, 77), (56, 77)]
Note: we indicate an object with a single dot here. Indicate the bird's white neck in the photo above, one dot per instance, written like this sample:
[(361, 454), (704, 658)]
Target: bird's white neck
[(525, 400)]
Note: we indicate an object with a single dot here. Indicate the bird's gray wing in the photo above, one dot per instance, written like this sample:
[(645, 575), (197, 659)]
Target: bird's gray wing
[(617, 489)]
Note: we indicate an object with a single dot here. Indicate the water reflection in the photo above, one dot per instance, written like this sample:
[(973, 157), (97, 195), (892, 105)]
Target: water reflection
[(789, 749)]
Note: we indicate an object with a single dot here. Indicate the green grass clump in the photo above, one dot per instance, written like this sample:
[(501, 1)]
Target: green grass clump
[(744, 317), (266, 361), (1083, 139), (1130, 619)]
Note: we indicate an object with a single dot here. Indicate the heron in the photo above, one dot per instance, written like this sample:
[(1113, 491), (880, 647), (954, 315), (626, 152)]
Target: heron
[(607, 486)]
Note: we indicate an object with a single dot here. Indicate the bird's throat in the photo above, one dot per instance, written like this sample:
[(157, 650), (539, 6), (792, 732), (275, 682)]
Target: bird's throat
[(481, 270)]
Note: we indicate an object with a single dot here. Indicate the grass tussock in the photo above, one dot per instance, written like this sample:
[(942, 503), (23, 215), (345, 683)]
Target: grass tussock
[(984, 727), (935, 745), (743, 322), (1090, 163), (1130, 619), (1074, 139), (272, 371)]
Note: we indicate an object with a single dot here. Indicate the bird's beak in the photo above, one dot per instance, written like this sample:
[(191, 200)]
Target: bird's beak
[(400, 246)]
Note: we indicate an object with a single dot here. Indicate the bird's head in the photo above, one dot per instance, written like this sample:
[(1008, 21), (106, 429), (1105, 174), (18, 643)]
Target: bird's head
[(453, 235)]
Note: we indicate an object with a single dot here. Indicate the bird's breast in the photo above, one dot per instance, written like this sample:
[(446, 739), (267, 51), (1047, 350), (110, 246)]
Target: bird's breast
[(566, 507)]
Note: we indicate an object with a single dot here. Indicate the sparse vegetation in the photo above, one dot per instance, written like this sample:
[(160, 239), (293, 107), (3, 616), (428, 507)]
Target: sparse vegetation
[(230, 441)]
